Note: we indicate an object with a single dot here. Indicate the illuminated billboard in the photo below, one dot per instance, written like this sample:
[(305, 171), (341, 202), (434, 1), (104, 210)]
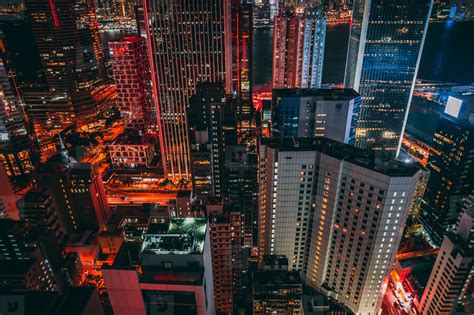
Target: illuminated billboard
[(453, 106)]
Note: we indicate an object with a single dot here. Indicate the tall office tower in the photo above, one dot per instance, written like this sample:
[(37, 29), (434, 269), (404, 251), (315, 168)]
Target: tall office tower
[(350, 213), (30, 258), (15, 154), (170, 268), (226, 248), (12, 123), (36, 207), (182, 53), (77, 191), (298, 47), (132, 78), (241, 187), (453, 270), (66, 42), (67, 37), (242, 26), (385, 46), (275, 290), (330, 113), (449, 166), (211, 123)]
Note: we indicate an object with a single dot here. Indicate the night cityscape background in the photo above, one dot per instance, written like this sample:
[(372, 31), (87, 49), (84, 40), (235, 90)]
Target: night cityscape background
[(236, 157)]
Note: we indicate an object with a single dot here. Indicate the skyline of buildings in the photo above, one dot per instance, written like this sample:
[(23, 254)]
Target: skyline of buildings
[(148, 167)]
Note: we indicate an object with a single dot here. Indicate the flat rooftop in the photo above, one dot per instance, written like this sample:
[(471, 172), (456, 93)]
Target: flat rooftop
[(365, 158), (129, 137), (183, 236), (320, 94)]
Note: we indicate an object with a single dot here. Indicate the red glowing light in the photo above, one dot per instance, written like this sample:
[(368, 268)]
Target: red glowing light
[(52, 6)]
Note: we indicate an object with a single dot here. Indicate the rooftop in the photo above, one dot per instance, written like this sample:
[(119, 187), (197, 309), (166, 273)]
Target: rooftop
[(276, 278), (183, 236), (322, 94), (365, 158), (129, 137)]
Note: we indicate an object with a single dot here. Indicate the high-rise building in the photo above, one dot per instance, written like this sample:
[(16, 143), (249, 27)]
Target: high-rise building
[(36, 207), (275, 290), (77, 192), (242, 27), (211, 123), (170, 268), (451, 280), (298, 47), (185, 50), (15, 155), (330, 113), (385, 46), (336, 212), (226, 248), (67, 37), (450, 164), (30, 258), (132, 77)]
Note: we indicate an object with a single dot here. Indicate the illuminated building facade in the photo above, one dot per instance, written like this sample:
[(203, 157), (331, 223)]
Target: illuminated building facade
[(211, 123), (385, 46), (67, 37), (131, 150), (184, 51), (30, 259), (226, 248), (242, 26), (77, 191), (298, 47), (172, 267), (450, 282), (450, 165), (66, 41), (132, 78), (275, 290), (349, 218), (330, 113), (15, 156), (36, 207)]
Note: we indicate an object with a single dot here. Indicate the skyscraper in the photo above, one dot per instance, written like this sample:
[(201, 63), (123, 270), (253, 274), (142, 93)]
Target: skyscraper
[(330, 113), (452, 272), (242, 14), (188, 42), (132, 78), (15, 154), (67, 43), (210, 117), (226, 248), (67, 37), (450, 164), (298, 47), (336, 212), (77, 192), (385, 46)]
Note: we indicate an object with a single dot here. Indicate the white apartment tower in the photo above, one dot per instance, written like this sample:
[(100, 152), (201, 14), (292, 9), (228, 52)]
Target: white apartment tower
[(451, 279), (336, 212)]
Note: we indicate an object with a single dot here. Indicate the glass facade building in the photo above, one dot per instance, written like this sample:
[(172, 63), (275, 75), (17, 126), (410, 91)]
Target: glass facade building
[(385, 46)]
